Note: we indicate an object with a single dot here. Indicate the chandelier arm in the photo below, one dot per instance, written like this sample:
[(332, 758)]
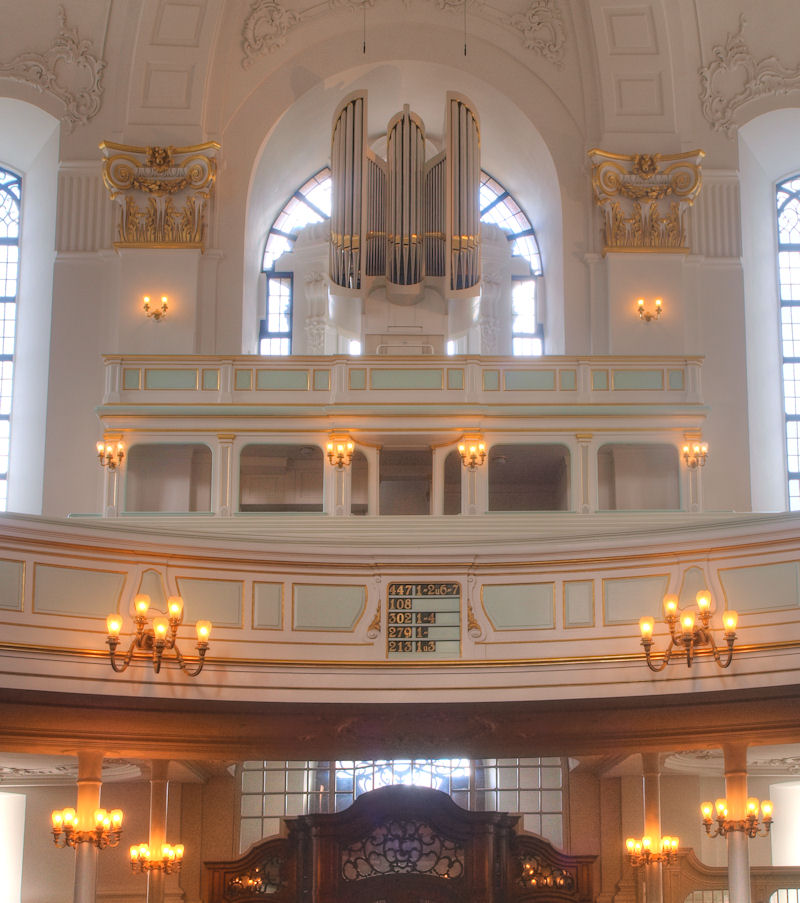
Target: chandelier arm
[(664, 658), (158, 651), (184, 664), (113, 642)]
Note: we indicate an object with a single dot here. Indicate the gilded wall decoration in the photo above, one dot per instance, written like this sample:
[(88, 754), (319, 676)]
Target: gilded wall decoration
[(733, 65), (161, 194), (67, 70), (265, 29), (645, 199), (539, 23)]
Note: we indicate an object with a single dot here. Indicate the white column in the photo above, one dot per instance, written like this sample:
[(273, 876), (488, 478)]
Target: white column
[(587, 487), (652, 824), (736, 795), (90, 768), (223, 475), (158, 826)]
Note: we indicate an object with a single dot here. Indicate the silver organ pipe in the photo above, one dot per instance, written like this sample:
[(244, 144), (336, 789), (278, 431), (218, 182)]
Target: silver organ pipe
[(435, 221), (375, 249), (347, 166), (406, 159), (463, 153)]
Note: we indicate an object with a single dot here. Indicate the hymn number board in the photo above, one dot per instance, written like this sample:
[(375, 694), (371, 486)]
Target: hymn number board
[(423, 620)]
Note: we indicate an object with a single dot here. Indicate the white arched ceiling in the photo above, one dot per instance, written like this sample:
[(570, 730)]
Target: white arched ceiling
[(33, 128)]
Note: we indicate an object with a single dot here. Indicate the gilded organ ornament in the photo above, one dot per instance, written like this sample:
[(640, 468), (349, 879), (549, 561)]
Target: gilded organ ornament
[(645, 199), (161, 194)]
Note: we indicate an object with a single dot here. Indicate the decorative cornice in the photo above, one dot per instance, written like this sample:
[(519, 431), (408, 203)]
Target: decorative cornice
[(539, 25), (49, 72), (733, 64)]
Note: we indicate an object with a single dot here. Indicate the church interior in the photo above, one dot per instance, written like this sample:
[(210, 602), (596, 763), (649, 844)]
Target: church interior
[(399, 451)]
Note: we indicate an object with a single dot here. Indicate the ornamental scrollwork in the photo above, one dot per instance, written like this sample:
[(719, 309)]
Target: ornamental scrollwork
[(402, 846), (733, 64), (58, 72), (265, 29), (539, 874), (263, 880), (542, 29), (161, 193), (645, 198)]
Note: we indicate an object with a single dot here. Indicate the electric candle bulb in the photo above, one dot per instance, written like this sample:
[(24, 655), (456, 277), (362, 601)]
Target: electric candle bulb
[(752, 806), (729, 620), (134, 854), (630, 844), (646, 625), (687, 622), (179, 848), (670, 605), (116, 818), (658, 303), (99, 816), (57, 819), (101, 447), (203, 629), (640, 303), (704, 600), (69, 817), (766, 810), (142, 603), (160, 628), (647, 843), (175, 606), (707, 810), (114, 624), (721, 805)]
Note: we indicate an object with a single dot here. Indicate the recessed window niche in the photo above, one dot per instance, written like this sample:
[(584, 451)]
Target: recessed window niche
[(405, 481), (174, 478), (638, 478), (528, 478), (359, 473), (452, 483), (280, 478)]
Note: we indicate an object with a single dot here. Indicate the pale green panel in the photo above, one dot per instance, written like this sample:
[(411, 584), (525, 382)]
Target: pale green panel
[(532, 380), (491, 380), (567, 380), (600, 380), (693, 581), (157, 378), (638, 379), (524, 605), (152, 585), (11, 584), (131, 378), (243, 379), (675, 379), (761, 588), (218, 601), (358, 379), (406, 379), (282, 379), (211, 380), (579, 603), (455, 379), (625, 600), (76, 591), (267, 608), (327, 607), (322, 380)]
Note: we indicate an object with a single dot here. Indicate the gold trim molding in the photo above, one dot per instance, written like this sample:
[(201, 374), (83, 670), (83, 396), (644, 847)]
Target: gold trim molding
[(161, 194), (645, 199)]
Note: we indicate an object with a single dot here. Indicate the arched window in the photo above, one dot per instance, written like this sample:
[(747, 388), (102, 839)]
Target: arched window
[(10, 201), (788, 204), (311, 203)]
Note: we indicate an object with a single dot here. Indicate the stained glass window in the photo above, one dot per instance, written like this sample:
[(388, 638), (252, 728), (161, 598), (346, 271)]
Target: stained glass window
[(10, 198)]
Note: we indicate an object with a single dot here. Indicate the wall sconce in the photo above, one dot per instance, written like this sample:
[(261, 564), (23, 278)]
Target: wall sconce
[(647, 315), (159, 312), (340, 452), (170, 860), (472, 451), (690, 636), (105, 833), (749, 824), (695, 454), (159, 638), (641, 852), (110, 455)]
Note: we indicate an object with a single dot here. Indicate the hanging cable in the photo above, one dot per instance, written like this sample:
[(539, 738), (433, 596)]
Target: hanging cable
[(465, 27), (364, 27)]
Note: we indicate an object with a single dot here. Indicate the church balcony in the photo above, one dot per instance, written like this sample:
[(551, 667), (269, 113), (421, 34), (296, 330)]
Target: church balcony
[(576, 434)]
